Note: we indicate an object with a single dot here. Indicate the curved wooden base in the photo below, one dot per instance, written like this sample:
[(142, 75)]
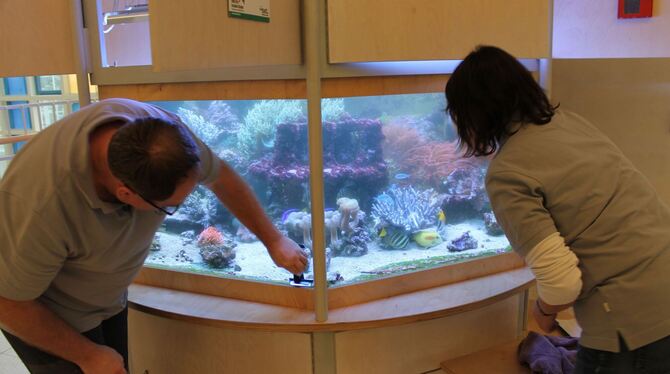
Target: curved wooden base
[(427, 304), (409, 334)]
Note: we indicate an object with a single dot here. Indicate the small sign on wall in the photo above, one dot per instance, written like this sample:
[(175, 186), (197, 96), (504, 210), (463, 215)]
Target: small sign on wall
[(635, 8), (254, 10)]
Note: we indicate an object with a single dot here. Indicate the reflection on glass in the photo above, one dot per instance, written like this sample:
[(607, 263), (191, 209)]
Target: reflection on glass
[(398, 195)]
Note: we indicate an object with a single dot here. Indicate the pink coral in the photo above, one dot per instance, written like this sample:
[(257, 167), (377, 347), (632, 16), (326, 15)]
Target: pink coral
[(433, 162), (210, 237)]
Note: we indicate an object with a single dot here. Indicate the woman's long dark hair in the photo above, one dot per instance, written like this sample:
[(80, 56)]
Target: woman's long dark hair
[(489, 90)]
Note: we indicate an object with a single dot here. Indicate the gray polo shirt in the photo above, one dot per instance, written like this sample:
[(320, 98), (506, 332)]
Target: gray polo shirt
[(61, 244), (568, 177)]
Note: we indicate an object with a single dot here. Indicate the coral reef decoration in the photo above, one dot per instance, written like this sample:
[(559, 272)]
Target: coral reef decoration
[(433, 162), (216, 250), (407, 208), (298, 224), (353, 244), (211, 125), (462, 243), (491, 224), (348, 209), (256, 136), (200, 210), (352, 156), (466, 196)]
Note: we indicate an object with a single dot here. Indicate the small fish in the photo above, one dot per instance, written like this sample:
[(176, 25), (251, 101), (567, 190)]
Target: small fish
[(427, 238), (382, 233), (441, 219), (401, 176)]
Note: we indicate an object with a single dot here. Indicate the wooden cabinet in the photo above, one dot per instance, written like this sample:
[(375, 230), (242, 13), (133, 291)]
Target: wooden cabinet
[(36, 38), (400, 30), (194, 35)]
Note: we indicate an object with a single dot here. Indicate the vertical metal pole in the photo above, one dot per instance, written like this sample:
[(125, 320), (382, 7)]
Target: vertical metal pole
[(80, 55), (312, 33), (545, 63)]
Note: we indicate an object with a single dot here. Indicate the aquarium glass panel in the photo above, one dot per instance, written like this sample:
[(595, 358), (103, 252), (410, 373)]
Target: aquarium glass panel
[(265, 141), (399, 196)]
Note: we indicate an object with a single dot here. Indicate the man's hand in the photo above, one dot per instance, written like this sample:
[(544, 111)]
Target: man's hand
[(547, 322), (103, 360), (288, 255)]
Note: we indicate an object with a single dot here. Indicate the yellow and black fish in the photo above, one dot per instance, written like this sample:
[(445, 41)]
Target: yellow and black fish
[(393, 237)]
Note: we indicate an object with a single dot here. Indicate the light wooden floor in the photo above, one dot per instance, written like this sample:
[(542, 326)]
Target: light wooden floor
[(9, 362)]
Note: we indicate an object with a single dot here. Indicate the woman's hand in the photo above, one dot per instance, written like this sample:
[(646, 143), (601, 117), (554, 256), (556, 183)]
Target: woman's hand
[(546, 321), (288, 255)]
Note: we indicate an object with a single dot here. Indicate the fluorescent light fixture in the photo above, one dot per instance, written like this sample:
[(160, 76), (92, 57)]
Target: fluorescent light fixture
[(136, 13)]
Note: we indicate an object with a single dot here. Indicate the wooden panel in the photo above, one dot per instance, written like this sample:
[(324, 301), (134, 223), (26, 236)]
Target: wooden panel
[(277, 89), (190, 35), (158, 345), (628, 100), (390, 85), (417, 306), (399, 30), (501, 358), (229, 90), (362, 292), (36, 38), (420, 347), (230, 288)]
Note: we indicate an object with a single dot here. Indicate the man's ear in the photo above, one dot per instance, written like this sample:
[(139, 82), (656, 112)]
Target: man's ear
[(125, 194)]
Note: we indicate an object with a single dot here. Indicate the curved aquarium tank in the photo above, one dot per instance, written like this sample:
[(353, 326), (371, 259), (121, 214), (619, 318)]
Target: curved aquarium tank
[(399, 196)]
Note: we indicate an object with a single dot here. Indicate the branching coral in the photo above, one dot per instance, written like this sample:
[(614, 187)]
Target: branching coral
[(200, 207), (257, 132), (407, 208), (332, 109)]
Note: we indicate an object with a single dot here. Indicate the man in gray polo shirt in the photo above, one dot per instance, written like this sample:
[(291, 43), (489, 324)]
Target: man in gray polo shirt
[(588, 224), (79, 207)]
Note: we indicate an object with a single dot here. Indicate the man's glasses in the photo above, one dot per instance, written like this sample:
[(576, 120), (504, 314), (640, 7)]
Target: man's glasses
[(169, 210)]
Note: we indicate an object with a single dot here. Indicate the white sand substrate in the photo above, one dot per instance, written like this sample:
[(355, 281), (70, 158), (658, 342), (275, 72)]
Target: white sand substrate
[(255, 262)]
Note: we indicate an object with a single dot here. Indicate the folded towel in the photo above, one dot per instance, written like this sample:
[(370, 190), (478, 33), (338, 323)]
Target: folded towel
[(548, 354)]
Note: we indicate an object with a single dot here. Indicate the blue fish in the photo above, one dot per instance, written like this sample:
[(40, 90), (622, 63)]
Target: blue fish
[(401, 176)]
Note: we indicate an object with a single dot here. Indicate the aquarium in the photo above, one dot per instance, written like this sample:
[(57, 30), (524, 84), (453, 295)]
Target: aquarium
[(398, 195)]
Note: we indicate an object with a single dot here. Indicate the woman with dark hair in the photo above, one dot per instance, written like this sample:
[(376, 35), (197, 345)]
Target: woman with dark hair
[(586, 221)]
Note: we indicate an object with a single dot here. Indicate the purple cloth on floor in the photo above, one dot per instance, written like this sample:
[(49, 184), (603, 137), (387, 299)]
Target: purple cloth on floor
[(548, 354)]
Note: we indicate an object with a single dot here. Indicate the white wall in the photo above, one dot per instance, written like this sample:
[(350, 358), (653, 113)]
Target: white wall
[(126, 44), (591, 29)]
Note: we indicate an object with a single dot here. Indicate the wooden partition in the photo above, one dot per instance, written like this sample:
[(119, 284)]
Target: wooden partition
[(36, 38), (277, 89), (192, 35), (399, 30), (628, 99)]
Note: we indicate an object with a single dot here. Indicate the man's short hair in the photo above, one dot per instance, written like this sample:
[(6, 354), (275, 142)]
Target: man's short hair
[(152, 155)]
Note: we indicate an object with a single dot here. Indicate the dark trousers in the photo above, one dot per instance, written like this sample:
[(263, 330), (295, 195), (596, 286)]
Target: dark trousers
[(112, 332), (653, 358)]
